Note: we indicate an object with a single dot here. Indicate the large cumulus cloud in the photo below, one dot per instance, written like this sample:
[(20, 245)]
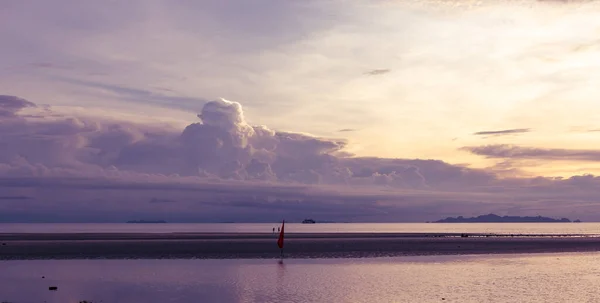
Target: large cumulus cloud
[(223, 167), (222, 145)]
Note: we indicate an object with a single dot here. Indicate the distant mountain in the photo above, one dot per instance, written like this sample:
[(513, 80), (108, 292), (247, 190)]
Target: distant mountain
[(492, 218), (146, 221)]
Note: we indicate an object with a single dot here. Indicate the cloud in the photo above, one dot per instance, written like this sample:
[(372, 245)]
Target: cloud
[(226, 115), (563, 1), (311, 61), (376, 72), (14, 198), (120, 199), (346, 130), (506, 151), (141, 96), (221, 156), (297, 67), (222, 145), (221, 168), (10, 105), (158, 200), (503, 132)]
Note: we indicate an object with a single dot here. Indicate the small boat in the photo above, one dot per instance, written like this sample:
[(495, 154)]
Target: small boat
[(309, 221)]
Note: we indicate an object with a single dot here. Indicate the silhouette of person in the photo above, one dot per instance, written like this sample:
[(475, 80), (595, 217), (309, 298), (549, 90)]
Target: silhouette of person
[(273, 229), (278, 229)]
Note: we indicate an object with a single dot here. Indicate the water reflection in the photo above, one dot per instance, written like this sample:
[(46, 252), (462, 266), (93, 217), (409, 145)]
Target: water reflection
[(280, 282), (515, 278)]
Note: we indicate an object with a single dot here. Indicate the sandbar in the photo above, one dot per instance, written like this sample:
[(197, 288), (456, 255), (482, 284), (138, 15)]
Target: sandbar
[(27, 246)]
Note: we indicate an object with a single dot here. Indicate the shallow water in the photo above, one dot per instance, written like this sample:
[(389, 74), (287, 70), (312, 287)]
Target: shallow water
[(498, 228), (498, 278)]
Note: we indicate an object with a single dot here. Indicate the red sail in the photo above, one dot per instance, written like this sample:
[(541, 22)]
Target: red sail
[(280, 240)]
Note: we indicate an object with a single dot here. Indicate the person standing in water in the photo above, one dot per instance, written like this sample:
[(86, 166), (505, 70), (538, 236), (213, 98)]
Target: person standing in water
[(273, 229)]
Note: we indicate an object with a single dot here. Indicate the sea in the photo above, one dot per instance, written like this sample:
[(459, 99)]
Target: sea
[(492, 228), (544, 277)]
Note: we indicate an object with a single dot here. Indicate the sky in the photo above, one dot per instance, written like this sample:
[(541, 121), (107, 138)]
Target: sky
[(339, 110)]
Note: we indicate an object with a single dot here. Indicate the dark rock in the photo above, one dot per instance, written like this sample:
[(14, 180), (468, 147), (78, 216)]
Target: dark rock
[(52, 288)]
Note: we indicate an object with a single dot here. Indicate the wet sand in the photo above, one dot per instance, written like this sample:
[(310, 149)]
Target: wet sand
[(322, 245)]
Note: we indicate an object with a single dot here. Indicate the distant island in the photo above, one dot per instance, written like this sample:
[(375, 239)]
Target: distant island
[(492, 218), (146, 221)]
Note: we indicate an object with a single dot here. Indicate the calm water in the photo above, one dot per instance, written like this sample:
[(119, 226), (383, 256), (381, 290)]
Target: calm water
[(500, 228), (498, 278)]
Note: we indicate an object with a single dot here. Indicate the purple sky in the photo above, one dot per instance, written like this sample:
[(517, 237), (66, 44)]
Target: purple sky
[(118, 111)]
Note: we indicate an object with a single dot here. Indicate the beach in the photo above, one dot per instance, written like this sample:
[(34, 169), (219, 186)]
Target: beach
[(30, 246), (181, 266)]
